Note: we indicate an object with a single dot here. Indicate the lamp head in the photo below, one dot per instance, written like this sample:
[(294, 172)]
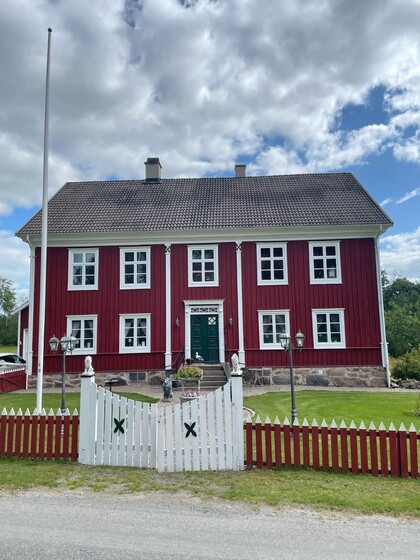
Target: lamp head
[(300, 339), (53, 342), (284, 340)]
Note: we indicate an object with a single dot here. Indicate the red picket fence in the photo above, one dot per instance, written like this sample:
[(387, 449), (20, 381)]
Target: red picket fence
[(39, 436), (377, 452)]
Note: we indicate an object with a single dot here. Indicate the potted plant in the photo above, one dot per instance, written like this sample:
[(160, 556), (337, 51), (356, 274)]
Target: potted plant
[(189, 374)]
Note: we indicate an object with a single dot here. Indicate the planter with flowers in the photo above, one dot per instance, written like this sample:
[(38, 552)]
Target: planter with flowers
[(189, 376)]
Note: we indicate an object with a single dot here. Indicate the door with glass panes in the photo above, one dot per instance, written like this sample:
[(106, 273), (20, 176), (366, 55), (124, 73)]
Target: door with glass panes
[(205, 337)]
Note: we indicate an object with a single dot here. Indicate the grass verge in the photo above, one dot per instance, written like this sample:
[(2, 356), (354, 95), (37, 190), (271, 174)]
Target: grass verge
[(279, 488)]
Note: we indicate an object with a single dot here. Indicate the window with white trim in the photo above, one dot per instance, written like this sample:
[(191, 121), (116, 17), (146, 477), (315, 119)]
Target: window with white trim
[(324, 260), (328, 328), (84, 329), (271, 325), (203, 266), (135, 333), (83, 269), (272, 264), (134, 268)]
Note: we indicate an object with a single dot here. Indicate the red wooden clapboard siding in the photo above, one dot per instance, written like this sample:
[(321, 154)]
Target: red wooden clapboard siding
[(227, 291), (108, 302), (357, 295)]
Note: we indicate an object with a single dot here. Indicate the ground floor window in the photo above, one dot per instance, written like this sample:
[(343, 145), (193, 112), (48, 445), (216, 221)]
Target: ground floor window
[(135, 333), (84, 329), (328, 327), (271, 325)]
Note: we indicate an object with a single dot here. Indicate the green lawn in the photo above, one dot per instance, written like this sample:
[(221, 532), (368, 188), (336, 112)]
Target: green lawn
[(367, 406), (7, 349), (53, 400)]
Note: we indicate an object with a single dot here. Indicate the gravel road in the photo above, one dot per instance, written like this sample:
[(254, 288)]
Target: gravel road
[(77, 525)]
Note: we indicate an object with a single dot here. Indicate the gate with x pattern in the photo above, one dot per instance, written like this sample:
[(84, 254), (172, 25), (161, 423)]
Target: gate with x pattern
[(203, 434)]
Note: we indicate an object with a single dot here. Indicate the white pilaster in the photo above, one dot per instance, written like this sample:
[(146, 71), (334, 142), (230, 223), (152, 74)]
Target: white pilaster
[(241, 350), (168, 329)]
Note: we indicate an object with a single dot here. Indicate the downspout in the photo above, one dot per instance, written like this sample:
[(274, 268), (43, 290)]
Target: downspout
[(384, 343)]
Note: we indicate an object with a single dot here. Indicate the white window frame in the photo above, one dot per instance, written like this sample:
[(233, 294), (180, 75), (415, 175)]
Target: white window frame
[(123, 263), (135, 349), (272, 281), (215, 260), (71, 263), (83, 349), (324, 257), (329, 344), (272, 312)]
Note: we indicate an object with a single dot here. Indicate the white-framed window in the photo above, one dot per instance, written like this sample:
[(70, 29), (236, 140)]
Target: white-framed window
[(271, 325), (83, 269), (203, 269), (135, 333), (328, 328), (134, 268), (324, 262), (84, 328), (272, 263)]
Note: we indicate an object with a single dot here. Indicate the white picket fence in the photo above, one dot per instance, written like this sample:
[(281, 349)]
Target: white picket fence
[(203, 434)]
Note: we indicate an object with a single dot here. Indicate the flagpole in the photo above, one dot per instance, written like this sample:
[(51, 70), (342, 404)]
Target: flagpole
[(43, 277)]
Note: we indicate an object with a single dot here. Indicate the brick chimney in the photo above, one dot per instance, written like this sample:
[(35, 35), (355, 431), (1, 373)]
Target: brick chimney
[(240, 169), (153, 169)]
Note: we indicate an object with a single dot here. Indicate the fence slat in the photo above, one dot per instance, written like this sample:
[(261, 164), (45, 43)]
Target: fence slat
[(315, 446), (325, 446), (249, 428), (344, 447), (402, 448), (277, 442), (393, 451), (287, 444), (414, 465), (364, 462), (373, 446), (258, 443), (268, 447), (334, 446), (305, 443), (383, 450), (353, 449), (296, 445)]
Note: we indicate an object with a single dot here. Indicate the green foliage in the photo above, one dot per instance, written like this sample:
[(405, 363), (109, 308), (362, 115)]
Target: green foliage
[(402, 314), (188, 372), (408, 366), (8, 322)]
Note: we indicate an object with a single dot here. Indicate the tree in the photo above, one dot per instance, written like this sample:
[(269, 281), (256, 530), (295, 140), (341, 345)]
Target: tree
[(402, 314), (8, 323)]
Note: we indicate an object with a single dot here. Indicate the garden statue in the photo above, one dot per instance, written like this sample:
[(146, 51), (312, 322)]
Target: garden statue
[(167, 390), (88, 364), (236, 370)]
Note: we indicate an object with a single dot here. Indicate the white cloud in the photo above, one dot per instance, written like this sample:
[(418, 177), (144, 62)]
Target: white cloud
[(14, 259), (409, 196), (400, 254), (386, 201)]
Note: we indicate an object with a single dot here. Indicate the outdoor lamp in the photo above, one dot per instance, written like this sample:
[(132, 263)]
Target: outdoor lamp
[(286, 344)]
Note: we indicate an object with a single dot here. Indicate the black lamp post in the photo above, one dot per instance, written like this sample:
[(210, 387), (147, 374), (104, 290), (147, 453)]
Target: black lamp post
[(286, 343), (66, 344)]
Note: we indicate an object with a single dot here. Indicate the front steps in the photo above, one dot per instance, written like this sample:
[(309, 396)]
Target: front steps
[(213, 377)]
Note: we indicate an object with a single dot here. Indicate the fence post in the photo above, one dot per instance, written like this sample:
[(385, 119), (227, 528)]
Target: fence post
[(237, 422), (87, 420)]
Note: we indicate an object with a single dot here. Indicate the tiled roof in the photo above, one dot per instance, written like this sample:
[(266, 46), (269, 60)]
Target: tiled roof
[(322, 199)]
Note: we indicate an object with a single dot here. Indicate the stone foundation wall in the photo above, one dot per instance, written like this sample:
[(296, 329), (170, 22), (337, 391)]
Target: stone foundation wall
[(332, 377), (310, 377)]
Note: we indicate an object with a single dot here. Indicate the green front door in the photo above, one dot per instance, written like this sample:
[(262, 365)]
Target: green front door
[(205, 337)]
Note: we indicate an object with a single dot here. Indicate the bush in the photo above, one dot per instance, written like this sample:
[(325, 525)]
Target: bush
[(408, 366), (188, 372)]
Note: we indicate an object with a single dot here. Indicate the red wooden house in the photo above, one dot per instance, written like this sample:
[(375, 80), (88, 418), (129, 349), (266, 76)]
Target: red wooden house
[(146, 273)]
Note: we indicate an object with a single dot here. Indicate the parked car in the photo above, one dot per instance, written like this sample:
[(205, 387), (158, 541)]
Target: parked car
[(7, 360)]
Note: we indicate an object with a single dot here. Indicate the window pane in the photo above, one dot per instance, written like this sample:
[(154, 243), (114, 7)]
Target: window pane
[(141, 256), (129, 278), (90, 257), (77, 257), (265, 252), (129, 257), (266, 275), (209, 266), (330, 250), (196, 254), (196, 276), (265, 265), (209, 254), (209, 276), (277, 252), (196, 266), (317, 251)]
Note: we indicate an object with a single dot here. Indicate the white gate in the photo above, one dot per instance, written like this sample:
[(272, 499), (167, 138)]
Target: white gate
[(203, 434)]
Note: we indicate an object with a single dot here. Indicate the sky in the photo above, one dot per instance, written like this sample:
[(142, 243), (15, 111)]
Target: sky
[(283, 86)]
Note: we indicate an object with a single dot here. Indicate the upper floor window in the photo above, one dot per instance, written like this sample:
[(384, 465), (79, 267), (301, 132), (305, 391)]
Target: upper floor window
[(135, 267), (324, 259), (328, 328), (83, 269), (84, 329), (271, 325), (272, 264), (203, 266), (135, 333)]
